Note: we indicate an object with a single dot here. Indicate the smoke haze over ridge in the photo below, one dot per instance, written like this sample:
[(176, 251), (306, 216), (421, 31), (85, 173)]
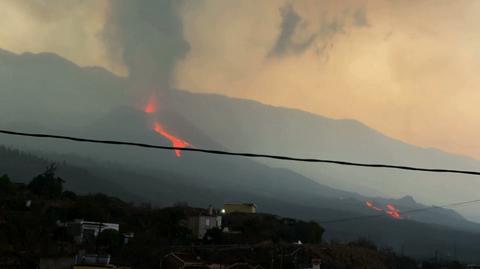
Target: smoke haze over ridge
[(406, 69)]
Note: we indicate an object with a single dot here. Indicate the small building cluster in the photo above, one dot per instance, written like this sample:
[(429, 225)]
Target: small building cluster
[(86, 231), (212, 218)]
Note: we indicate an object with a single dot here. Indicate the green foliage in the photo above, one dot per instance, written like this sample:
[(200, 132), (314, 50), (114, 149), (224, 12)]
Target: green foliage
[(364, 243), (69, 195), (111, 239), (265, 227), (47, 184), (6, 186), (35, 230)]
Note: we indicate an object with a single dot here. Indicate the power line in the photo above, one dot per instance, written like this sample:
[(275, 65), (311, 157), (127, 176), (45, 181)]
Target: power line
[(278, 157), (402, 212), (242, 154)]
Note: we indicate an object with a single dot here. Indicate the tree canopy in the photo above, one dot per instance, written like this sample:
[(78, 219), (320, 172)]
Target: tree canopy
[(47, 183)]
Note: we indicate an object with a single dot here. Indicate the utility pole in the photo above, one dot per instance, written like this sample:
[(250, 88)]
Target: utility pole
[(96, 238)]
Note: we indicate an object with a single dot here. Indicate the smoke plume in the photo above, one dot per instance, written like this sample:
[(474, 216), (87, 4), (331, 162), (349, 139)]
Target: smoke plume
[(147, 35)]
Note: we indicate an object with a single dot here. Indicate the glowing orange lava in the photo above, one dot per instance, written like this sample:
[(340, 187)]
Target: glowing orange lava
[(151, 106), (176, 142), (391, 210), (370, 204)]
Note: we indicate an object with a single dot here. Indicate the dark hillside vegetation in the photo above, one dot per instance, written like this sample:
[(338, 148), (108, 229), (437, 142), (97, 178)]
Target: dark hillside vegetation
[(85, 177), (31, 214), (31, 231)]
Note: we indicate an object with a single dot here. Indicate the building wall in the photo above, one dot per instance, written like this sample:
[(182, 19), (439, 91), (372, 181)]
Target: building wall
[(199, 225), (80, 229)]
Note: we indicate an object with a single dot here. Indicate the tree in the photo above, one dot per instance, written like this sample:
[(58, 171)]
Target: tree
[(110, 239), (47, 183), (6, 186)]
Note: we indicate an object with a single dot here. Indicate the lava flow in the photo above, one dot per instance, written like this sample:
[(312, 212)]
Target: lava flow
[(176, 142), (372, 206), (391, 210), (151, 108)]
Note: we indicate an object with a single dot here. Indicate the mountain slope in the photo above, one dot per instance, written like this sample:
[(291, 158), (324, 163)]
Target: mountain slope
[(261, 128), (93, 103), (416, 239), (46, 90)]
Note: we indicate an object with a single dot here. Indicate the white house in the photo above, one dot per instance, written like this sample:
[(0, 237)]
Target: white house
[(199, 225), (84, 231)]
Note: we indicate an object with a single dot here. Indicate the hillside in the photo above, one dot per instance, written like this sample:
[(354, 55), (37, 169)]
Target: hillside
[(166, 189), (41, 230), (256, 127), (44, 92), (101, 107)]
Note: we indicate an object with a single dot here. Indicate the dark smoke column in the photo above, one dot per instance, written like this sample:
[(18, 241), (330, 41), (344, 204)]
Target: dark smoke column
[(148, 35)]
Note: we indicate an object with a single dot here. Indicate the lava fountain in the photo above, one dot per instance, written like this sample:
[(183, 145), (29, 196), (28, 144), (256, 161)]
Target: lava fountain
[(151, 106)]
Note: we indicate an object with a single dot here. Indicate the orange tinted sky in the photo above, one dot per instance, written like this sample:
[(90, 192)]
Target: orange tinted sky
[(407, 68)]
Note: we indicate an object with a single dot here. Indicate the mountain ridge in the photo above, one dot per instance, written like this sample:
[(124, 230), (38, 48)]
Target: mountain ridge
[(248, 125)]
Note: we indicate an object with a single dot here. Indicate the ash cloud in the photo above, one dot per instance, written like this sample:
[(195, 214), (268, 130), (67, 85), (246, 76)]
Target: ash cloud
[(285, 42), (148, 36), (293, 23)]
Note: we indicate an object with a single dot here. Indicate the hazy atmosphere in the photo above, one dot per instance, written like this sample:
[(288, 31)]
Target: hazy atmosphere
[(364, 114), (408, 69)]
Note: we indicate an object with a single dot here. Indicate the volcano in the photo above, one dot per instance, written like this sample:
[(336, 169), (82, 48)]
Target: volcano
[(223, 123), (151, 108)]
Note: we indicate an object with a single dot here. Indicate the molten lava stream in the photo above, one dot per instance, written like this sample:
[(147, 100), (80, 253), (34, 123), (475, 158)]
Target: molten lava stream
[(372, 206), (393, 212), (176, 142)]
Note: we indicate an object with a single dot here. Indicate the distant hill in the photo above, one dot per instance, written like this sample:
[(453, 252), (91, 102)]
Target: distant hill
[(256, 127), (55, 92), (45, 93), (167, 188)]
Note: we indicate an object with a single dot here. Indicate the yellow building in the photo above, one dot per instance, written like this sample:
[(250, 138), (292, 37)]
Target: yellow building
[(240, 208)]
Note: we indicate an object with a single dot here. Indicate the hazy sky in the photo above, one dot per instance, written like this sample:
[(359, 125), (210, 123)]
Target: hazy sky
[(407, 68)]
